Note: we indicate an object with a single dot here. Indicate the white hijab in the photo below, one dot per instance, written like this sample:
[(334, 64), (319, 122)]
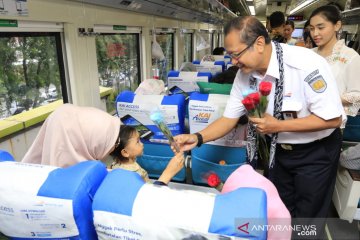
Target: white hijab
[(73, 134)]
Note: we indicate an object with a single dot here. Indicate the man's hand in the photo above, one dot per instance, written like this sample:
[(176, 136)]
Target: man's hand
[(186, 142), (266, 125)]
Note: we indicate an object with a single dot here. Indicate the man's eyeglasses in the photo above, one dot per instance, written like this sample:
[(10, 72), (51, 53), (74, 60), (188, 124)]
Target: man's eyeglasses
[(238, 55)]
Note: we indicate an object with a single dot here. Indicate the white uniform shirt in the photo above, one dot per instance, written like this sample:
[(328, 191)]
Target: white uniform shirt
[(309, 87), (345, 66)]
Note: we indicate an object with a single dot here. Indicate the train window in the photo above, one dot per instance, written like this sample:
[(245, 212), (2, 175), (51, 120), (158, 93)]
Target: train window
[(204, 48), (188, 47), (31, 71), (118, 59), (166, 42)]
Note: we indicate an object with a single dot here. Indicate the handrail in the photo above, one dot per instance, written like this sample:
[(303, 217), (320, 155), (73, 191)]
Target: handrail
[(351, 16), (34, 116)]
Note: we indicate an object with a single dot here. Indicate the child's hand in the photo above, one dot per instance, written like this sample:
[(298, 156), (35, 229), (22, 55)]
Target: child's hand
[(177, 162), (173, 167)]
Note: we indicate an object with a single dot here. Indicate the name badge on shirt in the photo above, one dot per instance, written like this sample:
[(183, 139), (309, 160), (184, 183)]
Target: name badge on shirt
[(289, 115), (290, 109)]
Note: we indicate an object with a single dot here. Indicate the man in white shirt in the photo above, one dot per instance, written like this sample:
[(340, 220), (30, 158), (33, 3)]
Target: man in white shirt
[(277, 25), (305, 135)]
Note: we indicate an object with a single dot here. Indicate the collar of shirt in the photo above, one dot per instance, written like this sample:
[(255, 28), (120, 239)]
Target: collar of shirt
[(273, 68)]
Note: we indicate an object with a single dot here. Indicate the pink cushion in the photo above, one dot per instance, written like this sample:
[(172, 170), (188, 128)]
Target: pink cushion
[(246, 176)]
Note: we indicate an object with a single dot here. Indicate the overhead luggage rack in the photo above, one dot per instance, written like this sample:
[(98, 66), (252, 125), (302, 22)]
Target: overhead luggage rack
[(351, 16)]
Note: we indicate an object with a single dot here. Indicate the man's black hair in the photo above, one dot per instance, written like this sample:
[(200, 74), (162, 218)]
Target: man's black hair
[(277, 19)]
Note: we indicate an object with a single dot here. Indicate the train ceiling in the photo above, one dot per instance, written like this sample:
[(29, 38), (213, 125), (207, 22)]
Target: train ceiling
[(210, 11)]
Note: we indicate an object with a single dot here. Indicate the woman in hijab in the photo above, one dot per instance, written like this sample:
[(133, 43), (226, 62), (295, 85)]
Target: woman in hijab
[(73, 134)]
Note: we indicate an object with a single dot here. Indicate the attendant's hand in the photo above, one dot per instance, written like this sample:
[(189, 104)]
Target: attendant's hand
[(266, 125), (186, 142), (174, 166)]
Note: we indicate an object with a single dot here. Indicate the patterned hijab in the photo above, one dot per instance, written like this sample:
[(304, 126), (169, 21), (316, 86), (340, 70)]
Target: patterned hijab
[(251, 146), (73, 134)]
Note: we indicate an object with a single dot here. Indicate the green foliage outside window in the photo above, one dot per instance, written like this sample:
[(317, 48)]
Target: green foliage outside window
[(29, 73)]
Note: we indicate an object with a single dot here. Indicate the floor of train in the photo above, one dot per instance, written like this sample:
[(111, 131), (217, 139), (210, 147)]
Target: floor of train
[(341, 230)]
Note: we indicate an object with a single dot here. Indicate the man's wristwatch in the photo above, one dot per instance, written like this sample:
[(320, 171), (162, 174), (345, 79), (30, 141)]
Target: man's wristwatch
[(199, 139)]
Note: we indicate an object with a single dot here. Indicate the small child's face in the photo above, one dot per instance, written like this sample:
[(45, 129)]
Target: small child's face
[(134, 147)]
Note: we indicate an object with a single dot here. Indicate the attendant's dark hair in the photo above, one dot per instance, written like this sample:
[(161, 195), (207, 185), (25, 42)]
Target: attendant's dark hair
[(126, 132), (277, 19), (291, 23), (330, 12), (249, 27)]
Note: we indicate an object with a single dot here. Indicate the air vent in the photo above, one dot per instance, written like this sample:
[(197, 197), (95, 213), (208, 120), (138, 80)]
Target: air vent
[(125, 2)]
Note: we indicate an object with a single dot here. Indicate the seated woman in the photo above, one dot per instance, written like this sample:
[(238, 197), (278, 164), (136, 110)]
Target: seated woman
[(219, 51), (73, 134), (227, 76)]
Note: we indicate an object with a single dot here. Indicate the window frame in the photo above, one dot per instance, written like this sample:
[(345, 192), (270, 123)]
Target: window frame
[(164, 31), (191, 43), (59, 51), (110, 30), (138, 65)]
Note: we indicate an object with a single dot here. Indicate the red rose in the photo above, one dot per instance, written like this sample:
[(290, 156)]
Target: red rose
[(248, 103), (265, 88), (255, 97), (213, 180)]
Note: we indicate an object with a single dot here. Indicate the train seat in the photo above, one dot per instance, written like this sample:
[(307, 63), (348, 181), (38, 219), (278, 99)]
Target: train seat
[(277, 213), (46, 202), (148, 211), (6, 156), (229, 65), (135, 110), (179, 82), (347, 194), (208, 66), (352, 129), (225, 58), (222, 156)]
